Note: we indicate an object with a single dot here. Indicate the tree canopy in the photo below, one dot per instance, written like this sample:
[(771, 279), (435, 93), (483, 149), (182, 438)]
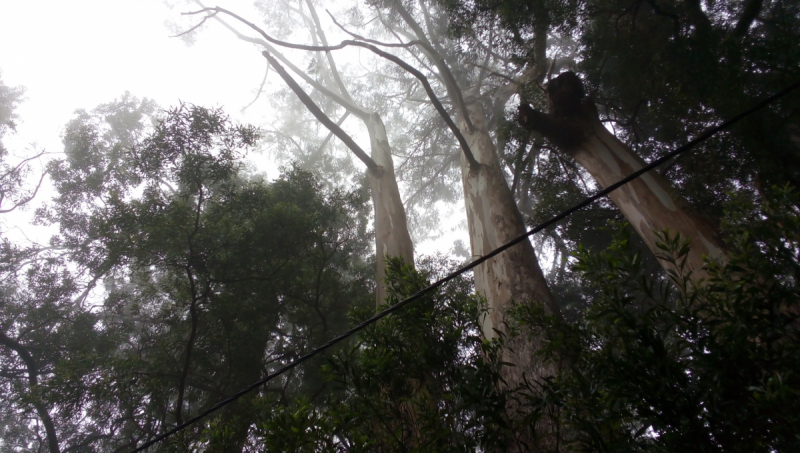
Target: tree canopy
[(664, 318)]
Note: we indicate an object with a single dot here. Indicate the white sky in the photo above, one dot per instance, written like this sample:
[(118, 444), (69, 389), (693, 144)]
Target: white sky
[(78, 54)]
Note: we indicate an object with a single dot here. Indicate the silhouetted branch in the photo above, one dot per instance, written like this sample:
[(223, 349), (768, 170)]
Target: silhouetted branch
[(416, 73), (749, 14), (195, 27), (320, 115)]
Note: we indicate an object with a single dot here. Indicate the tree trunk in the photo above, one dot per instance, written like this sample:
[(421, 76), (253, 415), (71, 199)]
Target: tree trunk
[(33, 388), (391, 229), (513, 276), (648, 202)]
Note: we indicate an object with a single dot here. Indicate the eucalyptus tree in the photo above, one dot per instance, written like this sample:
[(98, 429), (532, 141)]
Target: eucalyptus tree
[(658, 73), (491, 211), (649, 203), (503, 48), (392, 237)]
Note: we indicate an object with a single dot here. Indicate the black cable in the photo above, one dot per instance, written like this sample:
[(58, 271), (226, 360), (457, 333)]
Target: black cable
[(708, 133)]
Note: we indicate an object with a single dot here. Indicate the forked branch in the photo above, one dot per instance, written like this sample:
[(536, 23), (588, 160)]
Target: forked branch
[(393, 58), (320, 115)]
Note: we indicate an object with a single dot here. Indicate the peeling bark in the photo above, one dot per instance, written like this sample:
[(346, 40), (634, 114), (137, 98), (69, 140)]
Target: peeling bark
[(391, 228), (513, 276), (493, 219), (649, 202)]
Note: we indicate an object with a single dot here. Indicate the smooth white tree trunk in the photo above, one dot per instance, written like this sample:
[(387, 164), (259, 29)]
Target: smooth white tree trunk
[(391, 228), (648, 203), (513, 276)]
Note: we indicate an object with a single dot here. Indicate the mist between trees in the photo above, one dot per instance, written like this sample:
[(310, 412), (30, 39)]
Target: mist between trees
[(661, 319)]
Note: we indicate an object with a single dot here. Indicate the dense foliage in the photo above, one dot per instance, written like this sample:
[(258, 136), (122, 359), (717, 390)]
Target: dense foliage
[(422, 380), (664, 367), (650, 366), (178, 276), (208, 279)]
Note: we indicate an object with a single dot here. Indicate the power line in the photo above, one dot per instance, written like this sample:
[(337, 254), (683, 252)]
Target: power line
[(708, 133)]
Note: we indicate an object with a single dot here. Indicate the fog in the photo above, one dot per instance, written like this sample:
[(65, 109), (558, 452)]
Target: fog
[(71, 56)]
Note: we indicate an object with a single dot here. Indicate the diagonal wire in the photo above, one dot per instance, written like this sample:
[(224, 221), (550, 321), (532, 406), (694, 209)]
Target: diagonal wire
[(708, 133)]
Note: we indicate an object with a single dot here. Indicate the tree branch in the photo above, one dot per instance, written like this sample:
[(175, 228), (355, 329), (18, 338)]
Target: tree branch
[(192, 312), (33, 384), (350, 106), (334, 71), (27, 199), (328, 123), (749, 13), (195, 27), (541, 27), (260, 90), (315, 155), (450, 83), (320, 115)]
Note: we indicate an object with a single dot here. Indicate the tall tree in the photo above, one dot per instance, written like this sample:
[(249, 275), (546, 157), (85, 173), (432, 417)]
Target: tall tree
[(491, 210), (392, 237)]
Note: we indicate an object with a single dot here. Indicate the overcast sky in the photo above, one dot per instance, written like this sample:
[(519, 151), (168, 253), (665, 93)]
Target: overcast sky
[(78, 54)]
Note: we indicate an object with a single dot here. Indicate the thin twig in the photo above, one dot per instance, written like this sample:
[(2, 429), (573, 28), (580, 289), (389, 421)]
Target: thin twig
[(260, 90), (195, 27)]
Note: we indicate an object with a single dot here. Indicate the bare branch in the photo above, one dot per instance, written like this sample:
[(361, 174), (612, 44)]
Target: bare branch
[(260, 90), (372, 41), (315, 155), (350, 106), (195, 27), (27, 199), (416, 73), (320, 115)]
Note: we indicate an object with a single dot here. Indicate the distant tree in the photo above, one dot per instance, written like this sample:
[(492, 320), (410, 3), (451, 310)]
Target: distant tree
[(13, 176), (175, 281)]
